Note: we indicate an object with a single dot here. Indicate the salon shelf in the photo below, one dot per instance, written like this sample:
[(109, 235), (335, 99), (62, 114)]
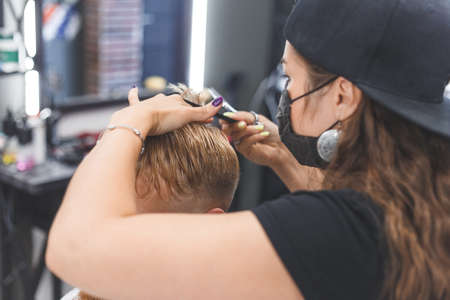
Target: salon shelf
[(49, 176), (4, 74), (86, 102)]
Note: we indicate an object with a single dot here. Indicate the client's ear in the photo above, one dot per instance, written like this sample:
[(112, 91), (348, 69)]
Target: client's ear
[(216, 211)]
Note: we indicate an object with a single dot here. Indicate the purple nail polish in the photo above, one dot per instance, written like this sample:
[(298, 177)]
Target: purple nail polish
[(217, 102), (134, 86)]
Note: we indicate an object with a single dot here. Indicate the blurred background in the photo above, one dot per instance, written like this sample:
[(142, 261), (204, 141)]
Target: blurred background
[(67, 65)]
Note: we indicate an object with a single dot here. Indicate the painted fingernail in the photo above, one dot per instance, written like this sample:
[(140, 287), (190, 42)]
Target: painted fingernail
[(217, 102), (242, 125), (229, 114), (259, 127), (265, 133), (134, 86)]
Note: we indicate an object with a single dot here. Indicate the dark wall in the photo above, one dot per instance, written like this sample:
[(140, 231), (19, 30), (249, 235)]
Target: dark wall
[(166, 37), (244, 37), (282, 9), (238, 42), (1, 14)]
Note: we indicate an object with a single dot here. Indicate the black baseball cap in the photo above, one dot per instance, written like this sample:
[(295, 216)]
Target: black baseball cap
[(395, 51)]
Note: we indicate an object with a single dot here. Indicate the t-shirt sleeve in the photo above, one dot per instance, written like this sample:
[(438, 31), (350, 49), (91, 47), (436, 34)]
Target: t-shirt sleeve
[(328, 242), (72, 295)]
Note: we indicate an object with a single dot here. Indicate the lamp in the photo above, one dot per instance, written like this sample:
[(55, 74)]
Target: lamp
[(198, 44)]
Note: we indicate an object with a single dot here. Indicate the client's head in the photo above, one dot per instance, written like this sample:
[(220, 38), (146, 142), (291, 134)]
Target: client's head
[(193, 169)]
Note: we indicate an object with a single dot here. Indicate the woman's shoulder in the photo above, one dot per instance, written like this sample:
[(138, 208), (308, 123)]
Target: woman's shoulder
[(346, 217), (345, 200), (347, 203), (350, 197), (327, 239)]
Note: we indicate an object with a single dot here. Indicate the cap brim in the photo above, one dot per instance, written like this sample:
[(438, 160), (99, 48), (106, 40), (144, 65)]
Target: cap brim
[(432, 116)]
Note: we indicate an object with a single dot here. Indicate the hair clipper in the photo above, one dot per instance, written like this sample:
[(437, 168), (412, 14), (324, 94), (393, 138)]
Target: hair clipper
[(226, 107)]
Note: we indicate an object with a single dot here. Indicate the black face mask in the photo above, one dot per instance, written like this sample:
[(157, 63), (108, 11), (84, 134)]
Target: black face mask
[(304, 148)]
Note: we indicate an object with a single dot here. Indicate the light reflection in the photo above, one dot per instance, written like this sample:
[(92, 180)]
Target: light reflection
[(198, 44)]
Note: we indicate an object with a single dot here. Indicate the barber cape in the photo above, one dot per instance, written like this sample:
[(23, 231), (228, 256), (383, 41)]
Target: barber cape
[(72, 295)]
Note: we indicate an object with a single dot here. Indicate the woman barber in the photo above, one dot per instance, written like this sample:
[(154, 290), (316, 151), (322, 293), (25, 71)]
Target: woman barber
[(367, 77)]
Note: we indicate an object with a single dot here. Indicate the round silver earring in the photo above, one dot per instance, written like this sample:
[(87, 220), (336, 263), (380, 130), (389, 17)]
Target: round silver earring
[(327, 144)]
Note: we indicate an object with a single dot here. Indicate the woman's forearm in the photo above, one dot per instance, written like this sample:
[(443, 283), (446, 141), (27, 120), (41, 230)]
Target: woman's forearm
[(104, 184), (103, 187), (294, 175)]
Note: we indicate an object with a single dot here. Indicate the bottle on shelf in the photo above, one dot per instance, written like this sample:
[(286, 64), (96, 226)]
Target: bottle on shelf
[(9, 52)]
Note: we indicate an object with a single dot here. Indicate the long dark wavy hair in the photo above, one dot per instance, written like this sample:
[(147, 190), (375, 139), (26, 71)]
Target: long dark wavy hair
[(405, 170)]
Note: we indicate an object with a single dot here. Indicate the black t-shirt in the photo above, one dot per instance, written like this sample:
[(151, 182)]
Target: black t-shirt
[(329, 241)]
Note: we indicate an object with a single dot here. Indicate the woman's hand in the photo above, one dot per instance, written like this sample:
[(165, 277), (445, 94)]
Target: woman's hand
[(262, 145), (259, 143), (162, 114)]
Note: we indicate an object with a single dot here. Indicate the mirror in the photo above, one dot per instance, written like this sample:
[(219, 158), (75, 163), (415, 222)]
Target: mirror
[(97, 49)]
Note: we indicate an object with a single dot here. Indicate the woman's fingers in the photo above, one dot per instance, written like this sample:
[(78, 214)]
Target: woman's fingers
[(133, 96), (244, 116), (247, 142), (244, 119), (209, 121), (161, 113), (204, 113), (232, 129), (249, 130), (226, 127)]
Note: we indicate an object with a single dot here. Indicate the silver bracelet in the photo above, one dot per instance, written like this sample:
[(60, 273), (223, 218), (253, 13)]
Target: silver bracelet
[(136, 131)]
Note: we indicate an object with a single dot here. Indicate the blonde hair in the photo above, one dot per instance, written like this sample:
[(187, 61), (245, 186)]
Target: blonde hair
[(194, 167)]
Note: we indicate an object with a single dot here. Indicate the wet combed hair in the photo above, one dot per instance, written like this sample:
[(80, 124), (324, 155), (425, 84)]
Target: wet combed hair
[(194, 168), (405, 169), (191, 169)]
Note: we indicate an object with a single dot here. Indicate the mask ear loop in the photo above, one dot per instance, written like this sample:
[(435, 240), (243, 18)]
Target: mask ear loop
[(315, 90)]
